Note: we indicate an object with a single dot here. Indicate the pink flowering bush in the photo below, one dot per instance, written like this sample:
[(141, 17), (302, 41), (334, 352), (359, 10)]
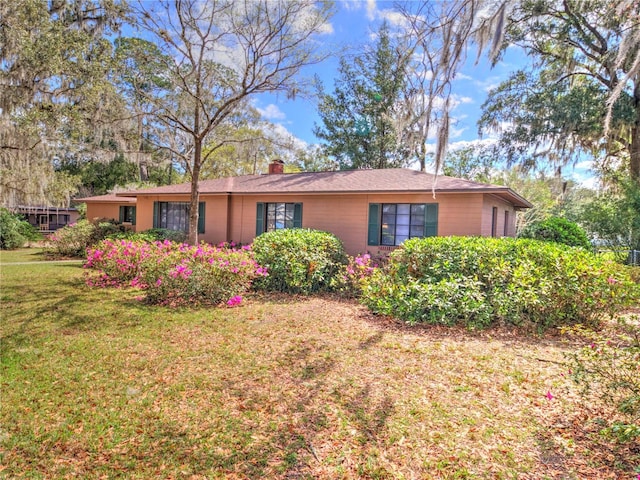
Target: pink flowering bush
[(175, 274), (353, 277)]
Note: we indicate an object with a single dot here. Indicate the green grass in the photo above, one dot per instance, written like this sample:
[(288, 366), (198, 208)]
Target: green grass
[(22, 255), (96, 384)]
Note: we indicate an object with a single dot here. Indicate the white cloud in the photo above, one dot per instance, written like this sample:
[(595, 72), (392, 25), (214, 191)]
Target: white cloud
[(395, 19), (282, 136), (271, 112), (372, 9), (353, 5), (326, 29), (477, 143), (456, 132)]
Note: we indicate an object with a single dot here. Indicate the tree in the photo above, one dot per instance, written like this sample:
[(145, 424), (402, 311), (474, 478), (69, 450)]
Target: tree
[(54, 89), (140, 67), (613, 217), (220, 53), (584, 93), (470, 162), (358, 126), (558, 122), (437, 38), (313, 158)]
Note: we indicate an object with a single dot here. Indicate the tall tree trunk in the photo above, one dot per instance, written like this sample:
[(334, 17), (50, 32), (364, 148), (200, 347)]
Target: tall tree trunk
[(634, 154), (192, 238)]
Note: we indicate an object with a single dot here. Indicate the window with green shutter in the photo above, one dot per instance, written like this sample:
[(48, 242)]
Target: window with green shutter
[(390, 224), (277, 216)]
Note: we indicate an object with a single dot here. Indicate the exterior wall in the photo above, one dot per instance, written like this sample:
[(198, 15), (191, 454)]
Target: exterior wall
[(491, 201), (105, 210), (346, 216), (343, 215), (215, 214), (233, 218)]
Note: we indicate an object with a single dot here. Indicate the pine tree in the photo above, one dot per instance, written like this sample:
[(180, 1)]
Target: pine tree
[(358, 127)]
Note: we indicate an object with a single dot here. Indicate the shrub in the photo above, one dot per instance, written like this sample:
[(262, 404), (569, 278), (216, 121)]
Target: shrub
[(353, 276), (72, 240), (476, 281), (557, 229), (175, 274), (607, 371), (14, 231), (298, 260)]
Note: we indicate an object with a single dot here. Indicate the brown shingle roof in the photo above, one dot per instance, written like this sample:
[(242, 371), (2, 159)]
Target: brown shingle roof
[(109, 198), (345, 181)]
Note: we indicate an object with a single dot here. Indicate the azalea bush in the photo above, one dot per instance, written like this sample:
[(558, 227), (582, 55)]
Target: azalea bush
[(607, 372), (478, 281), (175, 274), (352, 278), (74, 239), (299, 260)]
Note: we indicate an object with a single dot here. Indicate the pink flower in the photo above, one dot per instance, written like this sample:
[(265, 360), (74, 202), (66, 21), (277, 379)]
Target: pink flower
[(549, 395), (233, 301), (612, 281)]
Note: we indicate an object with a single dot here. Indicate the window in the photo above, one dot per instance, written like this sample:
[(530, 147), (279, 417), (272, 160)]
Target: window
[(393, 223), (175, 216), (276, 216), (128, 214)]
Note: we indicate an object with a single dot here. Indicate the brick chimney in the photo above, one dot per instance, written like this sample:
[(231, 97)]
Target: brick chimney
[(277, 166)]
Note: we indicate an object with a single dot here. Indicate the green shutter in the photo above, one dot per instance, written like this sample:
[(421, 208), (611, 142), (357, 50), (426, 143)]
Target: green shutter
[(259, 218), (374, 224), (431, 220), (297, 215), (121, 213), (133, 215), (156, 214), (201, 217)]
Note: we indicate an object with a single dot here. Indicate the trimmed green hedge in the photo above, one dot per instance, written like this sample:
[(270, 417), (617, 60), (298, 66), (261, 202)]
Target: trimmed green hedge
[(298, 260), (480, 281)]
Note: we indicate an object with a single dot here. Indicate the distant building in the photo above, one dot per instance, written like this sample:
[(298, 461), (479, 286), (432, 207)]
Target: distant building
[(48, 219)]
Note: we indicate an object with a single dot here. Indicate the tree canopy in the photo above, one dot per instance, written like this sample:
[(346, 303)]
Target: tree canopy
[(358, 119), (583, 93)]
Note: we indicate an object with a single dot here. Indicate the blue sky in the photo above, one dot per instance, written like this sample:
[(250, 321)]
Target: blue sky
[(354, 24)]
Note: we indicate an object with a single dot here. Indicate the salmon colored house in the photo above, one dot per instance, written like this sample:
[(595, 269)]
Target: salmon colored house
[(369, 210), (122, 209)]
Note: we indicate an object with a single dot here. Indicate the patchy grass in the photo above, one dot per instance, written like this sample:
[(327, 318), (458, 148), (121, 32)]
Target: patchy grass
[(96, 384), (22, 255)]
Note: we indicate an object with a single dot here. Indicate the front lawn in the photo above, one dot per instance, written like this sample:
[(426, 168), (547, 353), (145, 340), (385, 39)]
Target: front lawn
[(96, 384)]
